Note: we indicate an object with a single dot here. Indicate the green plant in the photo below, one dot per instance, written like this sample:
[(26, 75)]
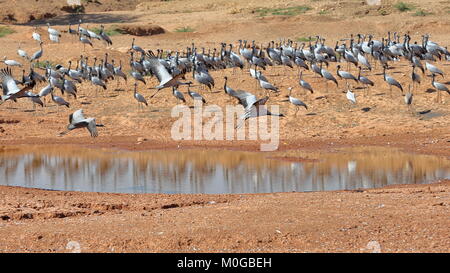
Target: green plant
[(43, 64), (112, 31), (421, 13), (383, 12), (184, 29), (304, 39), (290, 11), (5, 31), (402, 6)]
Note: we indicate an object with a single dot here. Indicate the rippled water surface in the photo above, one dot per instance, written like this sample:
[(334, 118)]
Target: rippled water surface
[(213, 171)]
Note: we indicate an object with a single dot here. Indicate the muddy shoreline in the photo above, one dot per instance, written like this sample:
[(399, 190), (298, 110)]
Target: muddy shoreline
[(402, 218)]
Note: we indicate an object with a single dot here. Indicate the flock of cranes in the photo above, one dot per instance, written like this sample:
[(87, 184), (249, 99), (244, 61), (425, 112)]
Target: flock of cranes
[(172, 69)]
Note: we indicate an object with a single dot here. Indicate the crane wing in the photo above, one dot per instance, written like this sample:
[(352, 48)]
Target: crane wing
[(158, 69), (8, 83), (76, 116), (245, 98), (92, 128)]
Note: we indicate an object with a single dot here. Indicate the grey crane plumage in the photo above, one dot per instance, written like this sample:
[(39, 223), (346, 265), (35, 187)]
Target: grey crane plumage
[(95, 80), (363, 60), (118, 71), (257, 109), (268, 86), (178, 95), (301, 63), (46, 90), (138, 76), (305, 85), (295, 101), (139, 98), (35, 98), (59, 101), (105, 36), (285, 60), (316, 69), (85, 41), (74, 74), (433, 69), (52, 31), (54, 34), (366, 81), (136, 48), (165, 79), (439, 87), (228, 90), (38, 54), (56, 82), (258, 75), (235, 59), (77, 120), (391, 81), (345, 75), (416, 62), (72, 31), (69, 87), (203, 77), (11, 62), (408, 99), (22, 53), (196, 96), (10, 89), (415, 77), (350, 58), (36, 76), (328, 76)]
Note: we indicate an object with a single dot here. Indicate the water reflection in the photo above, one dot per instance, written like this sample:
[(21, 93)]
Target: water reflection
[(213, 171)]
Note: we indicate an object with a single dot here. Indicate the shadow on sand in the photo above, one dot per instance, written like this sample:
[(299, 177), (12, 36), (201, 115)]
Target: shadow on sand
[(89, 18)]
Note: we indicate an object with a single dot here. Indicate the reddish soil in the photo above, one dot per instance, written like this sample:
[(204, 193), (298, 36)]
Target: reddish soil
[(401, 219)]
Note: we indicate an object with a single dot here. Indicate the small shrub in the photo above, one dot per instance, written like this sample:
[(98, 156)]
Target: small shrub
[(383, 12), (43, 64), (290, 11), (402, 6), (184, 29), (5, 31), (421, 13), (113, 31), (304, 39)]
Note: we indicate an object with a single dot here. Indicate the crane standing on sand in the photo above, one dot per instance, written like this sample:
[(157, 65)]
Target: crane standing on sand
[(298, 103), (365, 81), (408, 100), (170, 68), (391, 81), (139, 98), (439, 87)]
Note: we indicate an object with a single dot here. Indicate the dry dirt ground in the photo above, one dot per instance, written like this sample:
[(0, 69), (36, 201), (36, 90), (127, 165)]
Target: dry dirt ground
[(400, 219)]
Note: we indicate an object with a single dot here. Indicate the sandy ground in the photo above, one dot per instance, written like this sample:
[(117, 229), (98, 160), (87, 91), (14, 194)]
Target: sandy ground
[(400, 219)]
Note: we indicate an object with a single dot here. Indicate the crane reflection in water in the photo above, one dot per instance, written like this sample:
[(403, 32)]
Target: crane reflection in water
[(214, 171)]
